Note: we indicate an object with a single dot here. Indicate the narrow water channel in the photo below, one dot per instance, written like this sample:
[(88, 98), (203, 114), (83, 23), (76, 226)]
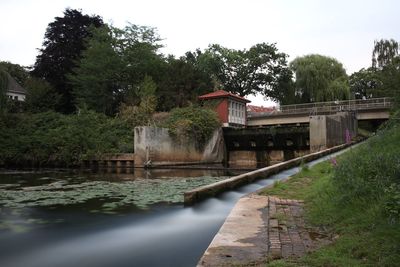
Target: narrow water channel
[(163, 235)]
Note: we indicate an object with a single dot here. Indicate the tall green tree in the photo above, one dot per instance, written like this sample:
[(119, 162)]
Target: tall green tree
[(382, 79), (365, 84), (182, 83), (319, 78), (244, 72), (384, 52), (62, 47), (139, 47), (113, 66), (99, 77)]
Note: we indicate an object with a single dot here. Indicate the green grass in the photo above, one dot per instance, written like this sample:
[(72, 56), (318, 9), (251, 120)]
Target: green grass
[(358, 201), (298, 186)]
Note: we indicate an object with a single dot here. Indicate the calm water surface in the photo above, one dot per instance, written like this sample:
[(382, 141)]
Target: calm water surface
[(110, 219)]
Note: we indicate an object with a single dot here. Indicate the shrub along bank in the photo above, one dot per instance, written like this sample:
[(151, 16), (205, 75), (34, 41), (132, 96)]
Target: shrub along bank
[(192, 123), (53, 139), (357, 197)]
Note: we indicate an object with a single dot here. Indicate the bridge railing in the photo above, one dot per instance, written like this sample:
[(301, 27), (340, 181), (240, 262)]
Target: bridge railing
[(335, 106)]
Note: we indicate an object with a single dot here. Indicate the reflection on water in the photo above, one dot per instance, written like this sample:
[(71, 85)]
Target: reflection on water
[(160, 235)]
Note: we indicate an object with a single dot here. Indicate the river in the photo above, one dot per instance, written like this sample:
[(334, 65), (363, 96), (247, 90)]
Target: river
[(102, 219)]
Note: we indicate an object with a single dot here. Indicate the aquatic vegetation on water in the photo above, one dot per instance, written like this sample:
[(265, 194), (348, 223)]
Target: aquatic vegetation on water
[(139, 192), (31, 201)]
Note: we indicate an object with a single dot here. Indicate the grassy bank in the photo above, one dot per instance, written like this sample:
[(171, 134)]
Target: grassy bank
[(356, 197)]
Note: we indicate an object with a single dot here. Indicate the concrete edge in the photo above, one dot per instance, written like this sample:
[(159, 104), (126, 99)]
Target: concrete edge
[(196, 195)]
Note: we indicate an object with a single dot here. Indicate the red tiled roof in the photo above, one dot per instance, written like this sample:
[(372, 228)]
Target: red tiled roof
[(222, 93), (257, 109)]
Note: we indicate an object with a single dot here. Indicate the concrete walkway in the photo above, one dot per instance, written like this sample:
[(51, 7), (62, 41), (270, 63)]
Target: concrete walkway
[(261, 228)]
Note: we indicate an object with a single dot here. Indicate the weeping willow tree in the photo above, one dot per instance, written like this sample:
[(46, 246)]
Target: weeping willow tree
[(385, 51), (319, 78), (3, 89)]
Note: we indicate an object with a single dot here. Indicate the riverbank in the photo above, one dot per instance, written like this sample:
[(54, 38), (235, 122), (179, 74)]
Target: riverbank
[(352, 200), (355, 197)]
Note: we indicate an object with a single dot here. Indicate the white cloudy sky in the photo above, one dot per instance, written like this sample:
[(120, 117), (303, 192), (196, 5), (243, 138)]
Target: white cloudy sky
[(342, 29)]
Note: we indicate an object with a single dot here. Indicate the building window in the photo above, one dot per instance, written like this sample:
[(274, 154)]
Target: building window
[(16, 97)]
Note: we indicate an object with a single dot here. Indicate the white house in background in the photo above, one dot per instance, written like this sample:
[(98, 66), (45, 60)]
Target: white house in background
[(14, 90)]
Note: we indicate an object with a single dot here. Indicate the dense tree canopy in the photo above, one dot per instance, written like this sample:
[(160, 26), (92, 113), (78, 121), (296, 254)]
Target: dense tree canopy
[(244, 72), (319, 78), (114, 64), (364, 83), (183, 82), (62, 47), (382, 79)]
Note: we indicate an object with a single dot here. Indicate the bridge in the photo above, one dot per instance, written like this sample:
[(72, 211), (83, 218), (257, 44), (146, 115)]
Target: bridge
[(369, 109)]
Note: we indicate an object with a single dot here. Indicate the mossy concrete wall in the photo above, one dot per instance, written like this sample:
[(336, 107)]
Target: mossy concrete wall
[(154, 146)]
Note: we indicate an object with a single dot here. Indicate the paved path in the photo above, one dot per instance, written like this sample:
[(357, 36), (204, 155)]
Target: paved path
[(260, 228)]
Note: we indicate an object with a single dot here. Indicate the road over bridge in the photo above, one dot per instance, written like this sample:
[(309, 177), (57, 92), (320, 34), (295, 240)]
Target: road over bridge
[(369, 109)]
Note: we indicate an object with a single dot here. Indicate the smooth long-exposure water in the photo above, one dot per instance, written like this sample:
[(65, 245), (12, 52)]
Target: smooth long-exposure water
[(82, 233)]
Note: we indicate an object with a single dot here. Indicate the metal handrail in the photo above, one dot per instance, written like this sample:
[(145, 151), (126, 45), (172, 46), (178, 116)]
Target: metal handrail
[(335, 106), (331, 106)]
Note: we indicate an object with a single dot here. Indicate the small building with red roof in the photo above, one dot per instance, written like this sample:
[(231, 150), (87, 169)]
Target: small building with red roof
[(231, 108)]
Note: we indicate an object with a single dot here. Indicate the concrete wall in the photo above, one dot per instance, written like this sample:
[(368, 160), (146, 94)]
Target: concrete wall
[(262, 158), (211, 190), (155, 147), (331, 130)]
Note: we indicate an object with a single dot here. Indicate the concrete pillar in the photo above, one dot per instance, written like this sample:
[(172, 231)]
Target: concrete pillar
[(119, 164), (109, 164), (242, 159), (276, 156), (318, 134)]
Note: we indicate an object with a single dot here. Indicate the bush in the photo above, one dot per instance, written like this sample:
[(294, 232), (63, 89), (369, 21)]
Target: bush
[(51, 138), (192, 123)]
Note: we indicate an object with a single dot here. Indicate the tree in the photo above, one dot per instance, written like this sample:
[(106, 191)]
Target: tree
[(245, 72), (182, 83), (319, 78), (141, 114), (390, 80), (114, 64), (365, 83), (139, 47), (98, 79), (41, 96), (386, 63), (3, 90), (18, 72), (62, 47), (384, 52)]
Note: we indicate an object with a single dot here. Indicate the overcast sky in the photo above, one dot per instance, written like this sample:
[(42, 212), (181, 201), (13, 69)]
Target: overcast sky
[(341, 29)]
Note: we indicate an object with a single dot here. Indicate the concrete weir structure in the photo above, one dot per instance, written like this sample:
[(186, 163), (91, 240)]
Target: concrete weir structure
[(200, 193)]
